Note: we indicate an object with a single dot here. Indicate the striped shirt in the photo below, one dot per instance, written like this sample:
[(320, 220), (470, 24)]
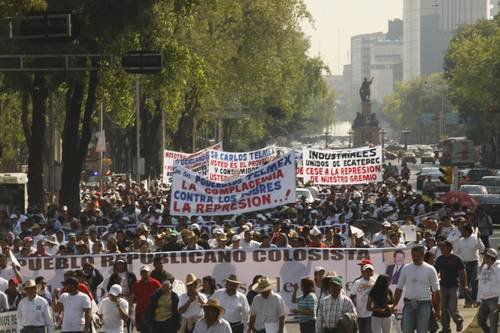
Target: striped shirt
[(308, 302), (331, 310)]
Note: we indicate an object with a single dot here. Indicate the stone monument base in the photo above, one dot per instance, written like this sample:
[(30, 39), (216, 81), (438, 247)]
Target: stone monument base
[(362, 135)]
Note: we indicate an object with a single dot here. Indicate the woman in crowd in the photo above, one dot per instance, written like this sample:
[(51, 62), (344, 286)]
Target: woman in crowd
[(306, 305), (208, 286), (380, 303)]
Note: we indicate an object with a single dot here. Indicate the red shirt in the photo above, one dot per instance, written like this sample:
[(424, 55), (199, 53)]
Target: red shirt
[(142, 290)]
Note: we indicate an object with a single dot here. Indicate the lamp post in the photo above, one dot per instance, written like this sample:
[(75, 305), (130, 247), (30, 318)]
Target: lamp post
[(405, 134), (382, 137), (350, 138)]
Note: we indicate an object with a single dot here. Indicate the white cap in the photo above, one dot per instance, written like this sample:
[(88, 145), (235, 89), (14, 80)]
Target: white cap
[(115, 290), (195, 226), (315, 231), (491, 253), (236, 238), (386, 224), (218, 231), (145, 268), (319, 269), (367, 266)]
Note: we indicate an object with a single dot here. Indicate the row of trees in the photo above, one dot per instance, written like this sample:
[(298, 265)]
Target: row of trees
[(469, 86), (220, 57)]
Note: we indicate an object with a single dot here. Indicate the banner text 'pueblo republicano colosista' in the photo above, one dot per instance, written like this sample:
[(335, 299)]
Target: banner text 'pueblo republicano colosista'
[(226, 166), (285, 266), (197, 162), (343, 167), (267, 187)]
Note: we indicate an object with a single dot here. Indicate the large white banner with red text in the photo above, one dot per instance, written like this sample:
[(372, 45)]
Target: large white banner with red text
[(226, 166), (343, 166), (197, 162)]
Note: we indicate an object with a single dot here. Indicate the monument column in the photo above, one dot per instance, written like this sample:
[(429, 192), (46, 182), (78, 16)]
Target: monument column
[(365, 127)]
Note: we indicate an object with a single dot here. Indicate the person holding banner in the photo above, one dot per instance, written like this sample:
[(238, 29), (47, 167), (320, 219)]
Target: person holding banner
[(235, 302), (419, 279), (190, 304), (33, 312), (267, 313)]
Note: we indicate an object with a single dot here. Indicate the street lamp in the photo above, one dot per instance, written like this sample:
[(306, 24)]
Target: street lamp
[(405, 133), (350, 138)]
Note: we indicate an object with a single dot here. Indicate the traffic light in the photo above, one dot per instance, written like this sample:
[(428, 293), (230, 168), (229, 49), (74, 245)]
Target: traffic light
[(447, 176)]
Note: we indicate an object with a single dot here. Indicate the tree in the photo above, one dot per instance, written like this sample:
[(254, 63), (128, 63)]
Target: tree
[(473, 72)]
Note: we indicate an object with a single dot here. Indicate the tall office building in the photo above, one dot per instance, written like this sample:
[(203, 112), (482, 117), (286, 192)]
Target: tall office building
[(428, 26), (361, 60), (495, 8)]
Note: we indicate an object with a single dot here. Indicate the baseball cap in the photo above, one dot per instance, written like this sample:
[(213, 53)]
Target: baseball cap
[(71, 281), (145, 268), (365, 261), (319, 269), (367, 266), (491, 253), (386, 224), (115, 290), (336, 280)]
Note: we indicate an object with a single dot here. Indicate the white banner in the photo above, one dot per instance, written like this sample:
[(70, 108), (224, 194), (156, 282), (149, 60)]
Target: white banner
[(343, 167), (8, 322), (269, 186), (226, 166), (285, 266), (197, 162)]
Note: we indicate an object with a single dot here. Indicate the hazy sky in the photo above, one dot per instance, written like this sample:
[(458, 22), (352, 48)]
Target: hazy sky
[(335, 21)]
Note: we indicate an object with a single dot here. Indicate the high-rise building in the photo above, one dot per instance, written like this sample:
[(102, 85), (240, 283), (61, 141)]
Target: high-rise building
[(428, 26), (361, 60), (386, 66), (495, 8)]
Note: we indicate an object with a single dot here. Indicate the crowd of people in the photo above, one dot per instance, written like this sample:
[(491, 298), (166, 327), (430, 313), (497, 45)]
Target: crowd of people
[(449, 245)]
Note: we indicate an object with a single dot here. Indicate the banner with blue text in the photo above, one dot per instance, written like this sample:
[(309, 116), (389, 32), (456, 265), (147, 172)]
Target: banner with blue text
[(267, 187)]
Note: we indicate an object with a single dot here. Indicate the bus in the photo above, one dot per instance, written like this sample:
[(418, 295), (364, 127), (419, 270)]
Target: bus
[(14, 192), (458, 152)]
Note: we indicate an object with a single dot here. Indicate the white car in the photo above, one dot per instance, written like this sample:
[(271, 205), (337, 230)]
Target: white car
[(473, 189), (304, 193)]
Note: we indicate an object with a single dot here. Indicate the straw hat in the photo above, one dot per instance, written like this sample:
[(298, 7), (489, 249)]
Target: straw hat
[(264, 284), (233, 279), (214, 303), (29, 284), (190, 279)]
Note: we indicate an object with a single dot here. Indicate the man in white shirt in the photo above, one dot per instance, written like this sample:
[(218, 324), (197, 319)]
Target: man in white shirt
[(190, 303), (489, 292), (212, 321), (468, 247), (113, 311), (359, 295), (419, 279), (75, 306), (238, 310), (267, 309), (247, 243), (33, 312)]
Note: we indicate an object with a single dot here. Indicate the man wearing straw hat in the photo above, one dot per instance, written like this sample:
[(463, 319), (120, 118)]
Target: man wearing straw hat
[(33, 312), (235, 302), (267, 313), (190, 304), (212, 322)]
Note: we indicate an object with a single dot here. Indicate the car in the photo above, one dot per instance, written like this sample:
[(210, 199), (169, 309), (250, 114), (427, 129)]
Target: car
[(434, 173), (304, 193), (473, 176), (388, 155), (473, 190), (491, 204), (427, 156), (409, 157), (492, 184), (496, 173)]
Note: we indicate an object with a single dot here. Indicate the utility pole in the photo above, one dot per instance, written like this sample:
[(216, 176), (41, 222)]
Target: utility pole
[(52, 177), (101, 154)]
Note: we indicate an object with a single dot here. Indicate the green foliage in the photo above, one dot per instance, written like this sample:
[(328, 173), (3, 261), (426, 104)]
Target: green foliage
[(472, 68), (416, 105)]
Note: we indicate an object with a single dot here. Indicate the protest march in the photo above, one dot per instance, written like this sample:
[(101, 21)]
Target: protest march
[(224, 227)]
